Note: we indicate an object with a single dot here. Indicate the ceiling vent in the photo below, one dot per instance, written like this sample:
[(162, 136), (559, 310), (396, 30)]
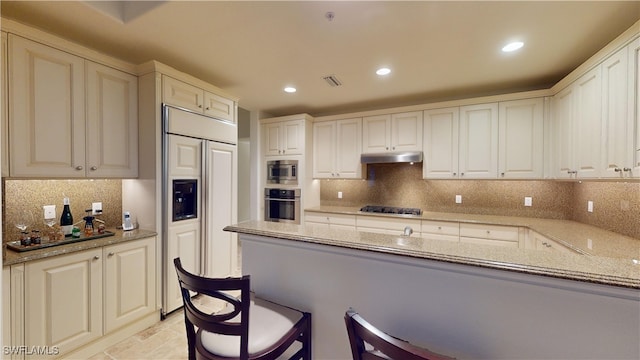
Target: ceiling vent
[(332, 80)]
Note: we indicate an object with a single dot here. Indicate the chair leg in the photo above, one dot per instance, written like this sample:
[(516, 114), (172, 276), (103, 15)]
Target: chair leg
[(306, 345)]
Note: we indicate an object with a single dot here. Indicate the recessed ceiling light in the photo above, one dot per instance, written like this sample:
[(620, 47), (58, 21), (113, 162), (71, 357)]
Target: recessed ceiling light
[(513, 46), (290, 89), (383, 71)]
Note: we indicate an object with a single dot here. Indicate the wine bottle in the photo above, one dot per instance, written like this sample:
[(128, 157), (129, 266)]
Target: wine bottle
[(66, 220)]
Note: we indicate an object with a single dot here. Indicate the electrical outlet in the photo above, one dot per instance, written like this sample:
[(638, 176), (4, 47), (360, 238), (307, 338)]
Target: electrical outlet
[(96, 208), (528, 201), (339, 194), (49, 211), (590, 206), (458, 199)]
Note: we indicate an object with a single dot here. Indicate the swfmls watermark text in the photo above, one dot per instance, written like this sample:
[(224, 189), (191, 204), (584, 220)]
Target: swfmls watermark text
[(31, 350)]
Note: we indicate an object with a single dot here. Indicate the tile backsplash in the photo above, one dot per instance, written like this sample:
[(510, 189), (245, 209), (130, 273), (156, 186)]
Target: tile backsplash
[(616, 204), (31, 195)]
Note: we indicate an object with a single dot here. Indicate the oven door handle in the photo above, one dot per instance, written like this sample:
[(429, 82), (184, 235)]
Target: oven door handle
[(276, 199)]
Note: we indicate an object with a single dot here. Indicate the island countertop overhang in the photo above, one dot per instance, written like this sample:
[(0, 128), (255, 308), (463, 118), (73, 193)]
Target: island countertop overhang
[(614, 271)]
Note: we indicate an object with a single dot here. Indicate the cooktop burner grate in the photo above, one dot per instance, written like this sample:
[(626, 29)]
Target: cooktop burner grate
[(391, 210)]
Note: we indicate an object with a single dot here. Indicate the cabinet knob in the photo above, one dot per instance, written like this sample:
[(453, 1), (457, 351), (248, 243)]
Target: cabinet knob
[(110, 254), (79, 167), (454, 174), (626, 169), (387, 148), (439, 227), (461, 174), (617, 169), (96, 257), (94, 168), (200, 106), (501, 174), (208, 108), (488, 232)]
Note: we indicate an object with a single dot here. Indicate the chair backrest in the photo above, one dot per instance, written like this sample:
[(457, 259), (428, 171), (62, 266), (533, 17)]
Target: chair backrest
[(215, 323), (382, 345)]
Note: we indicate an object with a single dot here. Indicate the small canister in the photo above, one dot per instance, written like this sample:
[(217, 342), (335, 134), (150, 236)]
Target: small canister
[(75, 232), (25, 239), (35, 237)]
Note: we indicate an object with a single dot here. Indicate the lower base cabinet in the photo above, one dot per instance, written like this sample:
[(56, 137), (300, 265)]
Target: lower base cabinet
[(71, 300)]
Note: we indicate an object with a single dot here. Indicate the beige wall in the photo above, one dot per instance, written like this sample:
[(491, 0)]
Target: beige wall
[(616, 204), (33, 194)]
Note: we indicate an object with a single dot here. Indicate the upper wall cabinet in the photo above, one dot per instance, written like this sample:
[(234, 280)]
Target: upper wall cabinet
[(336, 149), (634, 71), (520, 145), (4, 111), (284, 138), (396, 132), (187, 96), (441, 143), (478, 157), (69, 117), (595, 120)]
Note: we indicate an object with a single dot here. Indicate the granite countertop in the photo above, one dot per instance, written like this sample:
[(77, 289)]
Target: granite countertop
[(14, 257), (597, 266), (586, 239)]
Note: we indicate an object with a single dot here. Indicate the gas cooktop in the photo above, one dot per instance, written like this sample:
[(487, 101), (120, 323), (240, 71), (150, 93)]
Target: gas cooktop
[(391, 210)]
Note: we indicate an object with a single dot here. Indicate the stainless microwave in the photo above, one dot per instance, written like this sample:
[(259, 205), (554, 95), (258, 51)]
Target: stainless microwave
[(282, 172)]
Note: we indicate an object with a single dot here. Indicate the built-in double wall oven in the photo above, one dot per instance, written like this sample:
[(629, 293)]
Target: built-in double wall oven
[(282, 205)]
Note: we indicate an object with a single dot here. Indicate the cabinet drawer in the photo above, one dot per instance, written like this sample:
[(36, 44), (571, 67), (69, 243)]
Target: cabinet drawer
[(379, 222), (496, 232), (316, 217), (430, 236), (441, 227), (333, 219)]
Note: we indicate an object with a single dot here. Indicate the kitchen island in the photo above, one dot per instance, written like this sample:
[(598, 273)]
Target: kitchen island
[(464, 300)]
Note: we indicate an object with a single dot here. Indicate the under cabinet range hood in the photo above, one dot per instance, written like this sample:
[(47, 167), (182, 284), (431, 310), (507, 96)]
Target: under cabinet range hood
[(392, 157)]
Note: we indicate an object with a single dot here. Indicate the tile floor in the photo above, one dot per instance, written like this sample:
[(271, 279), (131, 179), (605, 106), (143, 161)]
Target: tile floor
[(164, 340)]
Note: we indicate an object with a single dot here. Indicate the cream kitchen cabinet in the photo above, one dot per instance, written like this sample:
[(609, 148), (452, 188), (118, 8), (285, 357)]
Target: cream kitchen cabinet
[(440, 230), (337, 148), (69, 117), (4, 111), (71, 300), (578, 127), (387, 225), (13, 311), (284, 138), (499, 235), (478, 147), (634, 70), (395, 132), (521, 139), (190, 97), (332, 221), (441, 143)]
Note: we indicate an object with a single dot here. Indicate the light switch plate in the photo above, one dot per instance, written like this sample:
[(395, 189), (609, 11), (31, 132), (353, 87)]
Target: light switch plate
[(458, 199), (96, 208), (339, 194), (528, 201), (49, 211), (590, 206)]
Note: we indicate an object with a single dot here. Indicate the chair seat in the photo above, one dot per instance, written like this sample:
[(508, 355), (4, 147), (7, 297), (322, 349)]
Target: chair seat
[(268, 323)]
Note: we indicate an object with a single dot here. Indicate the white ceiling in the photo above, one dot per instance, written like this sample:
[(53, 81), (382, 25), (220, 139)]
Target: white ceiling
[(436, 50)]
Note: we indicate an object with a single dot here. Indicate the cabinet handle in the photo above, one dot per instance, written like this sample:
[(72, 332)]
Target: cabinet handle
[(461, 174), (501, 174), (94, 168), (617, 169), (626, 169), (208, 108), (96, 257), (79, 167), (488, 232), (439, 227), (200, 106), (454, 174), (110, 254), (387, 148)]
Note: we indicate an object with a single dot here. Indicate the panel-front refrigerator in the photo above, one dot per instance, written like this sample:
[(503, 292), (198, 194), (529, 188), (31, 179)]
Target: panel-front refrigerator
[(199, 198)]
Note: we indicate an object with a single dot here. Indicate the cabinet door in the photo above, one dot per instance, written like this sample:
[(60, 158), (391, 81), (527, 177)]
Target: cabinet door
[(129, 282), (563, 115), (617, 115), (272, 139), (348, 148), (406, 131), (479, 141), (181, 94), (293, 137), (46, 112), (441, 143), (376, 134), (218, 107), (65, 306), (4, 112), (112, 122), (13, 310), (588, 136), (521, 139), (324, 149), (183, 241), (634, 95)]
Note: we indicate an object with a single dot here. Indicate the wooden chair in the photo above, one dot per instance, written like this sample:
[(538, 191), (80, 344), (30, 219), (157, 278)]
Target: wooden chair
[(248, 328), (367, 342)]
